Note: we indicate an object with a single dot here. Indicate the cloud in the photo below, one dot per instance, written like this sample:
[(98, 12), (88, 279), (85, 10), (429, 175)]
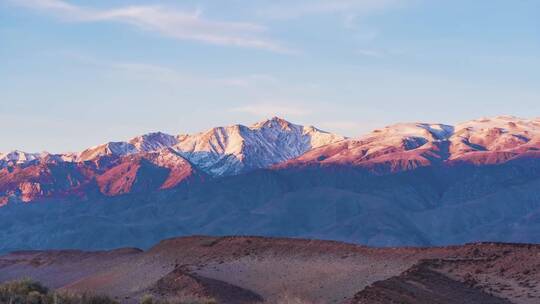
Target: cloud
[(287, 9), (169, 22), (155, 73), (268, 110), (168, 76)]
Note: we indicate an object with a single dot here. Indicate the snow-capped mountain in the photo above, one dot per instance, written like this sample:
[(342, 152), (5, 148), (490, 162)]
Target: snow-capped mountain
[(405, 184), (160, 161), (235, 149), (109, 149), (227, 150), (53, 177), (17, 157), (156, 160), (153, 141), (504, 136), (411, 145), (145, 143)]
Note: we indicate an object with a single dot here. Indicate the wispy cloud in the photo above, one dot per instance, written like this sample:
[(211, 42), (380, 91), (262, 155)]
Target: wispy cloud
[(167, 75), (289, 9), (268, 110), (174, 78), (167, 21)]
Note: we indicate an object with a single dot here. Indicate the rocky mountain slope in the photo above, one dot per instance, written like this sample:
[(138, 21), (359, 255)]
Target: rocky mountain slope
[(274, 270), (17, 157), (237, 149), (413, 184), (107, 175), (114, 166), (399, 147), (433, 205)]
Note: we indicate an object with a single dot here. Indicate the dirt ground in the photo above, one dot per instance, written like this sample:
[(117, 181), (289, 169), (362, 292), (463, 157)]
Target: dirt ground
[(276, 270)]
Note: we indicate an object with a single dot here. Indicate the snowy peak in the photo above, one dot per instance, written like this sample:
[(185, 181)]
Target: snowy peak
[(144, 143), (218, 151), (420, 130), (17, 156), (108, 149), (155, 161), (237, 148), (220, 140), (153, 141), (529, 128), (407, 146), (499, 134), (273, 123)]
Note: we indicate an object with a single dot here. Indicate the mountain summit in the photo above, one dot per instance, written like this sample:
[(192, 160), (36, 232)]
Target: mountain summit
[(237, 148)]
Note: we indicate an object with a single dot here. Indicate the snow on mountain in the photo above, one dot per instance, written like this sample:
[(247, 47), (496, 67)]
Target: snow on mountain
[(411, 145), (505, 134), (153, 141), (235, 149), (161, 161), (218, 151), (227, 150), (155, 161), (17, 158), (421, 130), (108, 149), (144, 143)]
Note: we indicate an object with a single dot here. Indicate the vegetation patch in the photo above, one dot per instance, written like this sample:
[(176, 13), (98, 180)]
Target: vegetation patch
[(30, 292)]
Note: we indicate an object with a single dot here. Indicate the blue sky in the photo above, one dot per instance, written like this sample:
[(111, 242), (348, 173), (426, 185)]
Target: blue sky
[(78, 73)]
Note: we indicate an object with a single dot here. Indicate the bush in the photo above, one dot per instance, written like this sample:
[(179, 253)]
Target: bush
[(147, 299), (23, 292), (31, 292)]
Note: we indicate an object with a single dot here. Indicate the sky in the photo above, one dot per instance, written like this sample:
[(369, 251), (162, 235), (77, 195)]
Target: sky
[(75, 74)]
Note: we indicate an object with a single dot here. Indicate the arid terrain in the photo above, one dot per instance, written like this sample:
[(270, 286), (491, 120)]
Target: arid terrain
[(278, 270)]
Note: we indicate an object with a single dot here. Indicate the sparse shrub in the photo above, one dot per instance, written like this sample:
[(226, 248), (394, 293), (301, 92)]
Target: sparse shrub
[(31, 292), (147, 299), (23, 292)]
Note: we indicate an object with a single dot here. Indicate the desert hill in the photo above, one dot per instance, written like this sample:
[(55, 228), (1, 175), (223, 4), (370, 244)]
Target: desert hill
[(270, 270)]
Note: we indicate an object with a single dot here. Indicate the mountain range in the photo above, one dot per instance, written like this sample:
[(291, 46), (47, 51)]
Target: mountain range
[(405, 184), (156, 160)]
